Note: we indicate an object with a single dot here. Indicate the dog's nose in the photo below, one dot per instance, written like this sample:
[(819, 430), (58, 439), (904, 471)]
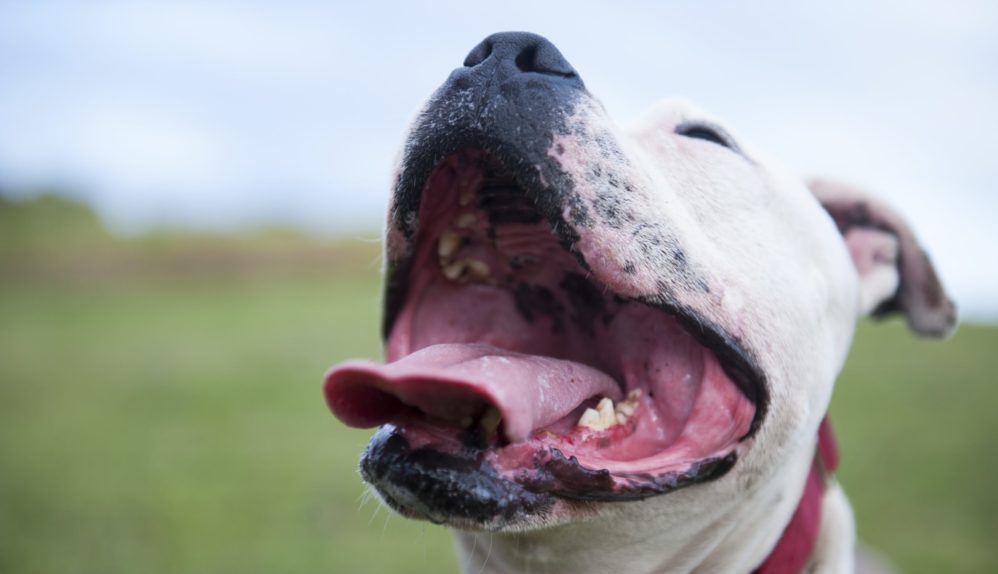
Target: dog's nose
[(525, 51)]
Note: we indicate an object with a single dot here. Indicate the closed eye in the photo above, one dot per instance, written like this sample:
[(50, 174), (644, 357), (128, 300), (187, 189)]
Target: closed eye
[(707, 132)]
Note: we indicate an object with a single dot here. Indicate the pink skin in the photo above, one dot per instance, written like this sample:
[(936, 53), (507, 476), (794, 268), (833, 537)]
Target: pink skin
[(458, 347)]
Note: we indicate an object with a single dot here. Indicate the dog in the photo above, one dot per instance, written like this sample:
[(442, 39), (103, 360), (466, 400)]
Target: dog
[(613, 349)]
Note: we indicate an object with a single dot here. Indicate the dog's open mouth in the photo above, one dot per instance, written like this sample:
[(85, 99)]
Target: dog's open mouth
[(506, 351)]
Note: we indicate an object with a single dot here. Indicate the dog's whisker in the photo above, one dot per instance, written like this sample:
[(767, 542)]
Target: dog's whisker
[(374, 514), (384, 526), (488, 553), (364, 497)]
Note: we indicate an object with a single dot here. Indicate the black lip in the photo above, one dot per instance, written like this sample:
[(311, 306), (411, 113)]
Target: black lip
[(463, 489), (459, 489), (563, 476)]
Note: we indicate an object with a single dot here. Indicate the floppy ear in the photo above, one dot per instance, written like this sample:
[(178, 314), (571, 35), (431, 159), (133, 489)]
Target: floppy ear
[(895, 274)]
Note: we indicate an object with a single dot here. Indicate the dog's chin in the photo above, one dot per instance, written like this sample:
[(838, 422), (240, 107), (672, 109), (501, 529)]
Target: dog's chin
[(518, 388), (459, 489), (462, 489)]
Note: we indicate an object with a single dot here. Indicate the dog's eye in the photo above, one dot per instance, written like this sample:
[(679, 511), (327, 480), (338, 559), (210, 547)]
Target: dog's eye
[(706, 132)]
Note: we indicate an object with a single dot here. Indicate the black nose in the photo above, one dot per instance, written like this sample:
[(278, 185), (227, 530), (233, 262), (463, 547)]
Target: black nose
[(526, 52)]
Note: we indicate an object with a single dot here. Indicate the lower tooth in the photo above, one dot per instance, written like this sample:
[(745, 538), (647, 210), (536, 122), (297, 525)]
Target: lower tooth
[(489, 423), (590, 419), (477, 269), (607, 416), (454, 270), (473, 269), (625, 408), (628, 406)]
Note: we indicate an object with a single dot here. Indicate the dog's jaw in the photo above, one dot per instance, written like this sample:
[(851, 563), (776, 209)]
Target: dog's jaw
[(674, 533)]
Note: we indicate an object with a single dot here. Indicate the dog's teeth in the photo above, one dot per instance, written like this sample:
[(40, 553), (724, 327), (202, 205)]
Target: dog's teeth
[(489, 423), (449, 242), (590, 419), (600, 418), (465, 269), (607, 416), (454, 270), (466, 198), (628, 406), (625, 408), (465, 220), (477, 269)]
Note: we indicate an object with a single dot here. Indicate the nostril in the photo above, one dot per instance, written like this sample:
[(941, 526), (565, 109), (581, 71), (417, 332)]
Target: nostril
[(478, 54), (526, 61), (542, 57)]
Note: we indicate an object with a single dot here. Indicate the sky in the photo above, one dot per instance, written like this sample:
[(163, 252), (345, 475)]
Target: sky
[(221, 115)]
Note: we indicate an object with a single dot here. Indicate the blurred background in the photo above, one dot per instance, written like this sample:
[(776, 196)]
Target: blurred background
[(191, 195)]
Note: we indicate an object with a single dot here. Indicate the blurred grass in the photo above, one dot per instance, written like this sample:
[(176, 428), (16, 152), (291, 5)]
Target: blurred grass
[(917, 429), (160, 411)]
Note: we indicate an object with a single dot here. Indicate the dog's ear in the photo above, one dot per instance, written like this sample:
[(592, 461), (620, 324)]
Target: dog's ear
[(895, 273)]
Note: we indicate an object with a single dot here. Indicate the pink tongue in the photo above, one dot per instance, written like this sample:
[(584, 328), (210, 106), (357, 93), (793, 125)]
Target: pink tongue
[(456, 381)]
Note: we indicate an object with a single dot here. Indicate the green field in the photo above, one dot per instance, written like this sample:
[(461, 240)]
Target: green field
[(160, 411)]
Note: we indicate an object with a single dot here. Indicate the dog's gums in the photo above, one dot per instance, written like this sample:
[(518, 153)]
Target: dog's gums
[(508, 352)]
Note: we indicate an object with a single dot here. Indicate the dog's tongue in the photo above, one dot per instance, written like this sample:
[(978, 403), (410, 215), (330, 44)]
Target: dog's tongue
[(457, 382)]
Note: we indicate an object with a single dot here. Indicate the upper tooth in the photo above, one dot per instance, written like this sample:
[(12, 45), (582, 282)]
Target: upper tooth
[(465, 220), (466, 198), (449, 242)]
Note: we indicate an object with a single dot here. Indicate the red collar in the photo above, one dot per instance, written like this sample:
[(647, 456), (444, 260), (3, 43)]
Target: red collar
[(795, 546)]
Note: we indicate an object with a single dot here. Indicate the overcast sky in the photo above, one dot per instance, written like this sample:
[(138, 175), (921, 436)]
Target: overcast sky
[(224, 114)]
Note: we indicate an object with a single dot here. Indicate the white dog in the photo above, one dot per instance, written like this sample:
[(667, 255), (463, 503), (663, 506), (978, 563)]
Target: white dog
[(611, 350)]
